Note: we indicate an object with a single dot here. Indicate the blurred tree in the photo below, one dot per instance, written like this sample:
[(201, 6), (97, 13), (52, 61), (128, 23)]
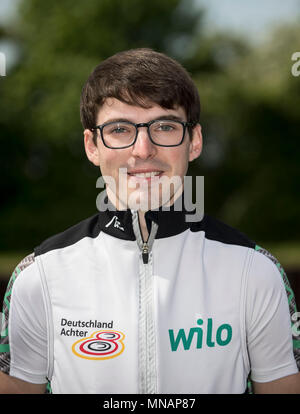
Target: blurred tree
[(250, 118), (47, 182), (251, 123)]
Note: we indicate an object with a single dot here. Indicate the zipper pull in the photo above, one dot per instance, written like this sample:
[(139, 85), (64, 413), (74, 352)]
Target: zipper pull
[(145, 253)]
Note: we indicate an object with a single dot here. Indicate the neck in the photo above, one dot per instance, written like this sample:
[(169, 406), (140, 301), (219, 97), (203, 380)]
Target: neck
[(143, 226)]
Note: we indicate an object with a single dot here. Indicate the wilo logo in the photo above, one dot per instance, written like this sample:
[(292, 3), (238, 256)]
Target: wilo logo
[(223, 336), (2, 64), (296, 66)]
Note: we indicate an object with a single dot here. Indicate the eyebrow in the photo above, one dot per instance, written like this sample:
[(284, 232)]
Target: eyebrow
[(159, 118), (170, 117)]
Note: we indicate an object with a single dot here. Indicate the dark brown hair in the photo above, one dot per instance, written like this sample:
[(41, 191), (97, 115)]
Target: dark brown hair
[(139, 77)]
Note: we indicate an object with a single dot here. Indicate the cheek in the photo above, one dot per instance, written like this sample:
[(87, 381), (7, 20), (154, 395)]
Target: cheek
[(110, 162), (179, 159)]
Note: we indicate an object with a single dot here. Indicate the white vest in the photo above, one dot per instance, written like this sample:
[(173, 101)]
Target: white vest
[(171, 321)]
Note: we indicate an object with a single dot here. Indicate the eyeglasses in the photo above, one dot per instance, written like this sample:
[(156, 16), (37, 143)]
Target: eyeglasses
[(123, 134)]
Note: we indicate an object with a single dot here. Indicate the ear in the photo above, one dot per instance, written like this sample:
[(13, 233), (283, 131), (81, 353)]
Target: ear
[(196, 143), (91, 149)]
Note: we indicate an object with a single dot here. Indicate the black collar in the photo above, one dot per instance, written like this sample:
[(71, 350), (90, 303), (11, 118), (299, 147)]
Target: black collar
[(118, 223)]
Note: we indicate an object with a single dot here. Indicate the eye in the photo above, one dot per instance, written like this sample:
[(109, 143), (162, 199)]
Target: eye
[(166, 127), (118, 129)]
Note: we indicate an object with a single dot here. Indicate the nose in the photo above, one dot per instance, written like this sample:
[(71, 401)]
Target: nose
[(143, 147)]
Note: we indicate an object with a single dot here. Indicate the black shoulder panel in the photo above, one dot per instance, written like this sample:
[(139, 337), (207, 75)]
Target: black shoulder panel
[(216, 230), (87, 228)]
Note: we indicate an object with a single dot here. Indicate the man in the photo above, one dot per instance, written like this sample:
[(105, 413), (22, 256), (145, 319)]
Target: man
[(139, 299)]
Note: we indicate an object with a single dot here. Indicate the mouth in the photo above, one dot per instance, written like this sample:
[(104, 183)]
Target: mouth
[(145, 175)]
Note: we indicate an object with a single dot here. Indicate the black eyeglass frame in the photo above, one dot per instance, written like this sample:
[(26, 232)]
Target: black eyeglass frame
[(147, 125)]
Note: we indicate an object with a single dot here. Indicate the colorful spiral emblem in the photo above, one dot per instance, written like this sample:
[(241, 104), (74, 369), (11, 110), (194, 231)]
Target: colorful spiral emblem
[(100, 345)]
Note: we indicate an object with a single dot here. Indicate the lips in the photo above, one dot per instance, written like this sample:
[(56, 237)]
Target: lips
[(143, 177), (147, 174)]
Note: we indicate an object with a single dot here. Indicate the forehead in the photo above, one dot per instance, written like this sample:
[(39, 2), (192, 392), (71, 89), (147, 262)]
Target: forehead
[(112, 109)]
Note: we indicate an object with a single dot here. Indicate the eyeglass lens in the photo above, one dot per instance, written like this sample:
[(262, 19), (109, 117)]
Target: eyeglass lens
[(120, 134)]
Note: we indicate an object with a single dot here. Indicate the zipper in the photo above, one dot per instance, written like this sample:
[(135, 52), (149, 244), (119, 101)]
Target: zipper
[(145, 253), (145, 246), (146, 321)]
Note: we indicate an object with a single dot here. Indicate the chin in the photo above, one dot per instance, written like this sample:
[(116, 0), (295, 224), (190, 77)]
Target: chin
[(145, 201)]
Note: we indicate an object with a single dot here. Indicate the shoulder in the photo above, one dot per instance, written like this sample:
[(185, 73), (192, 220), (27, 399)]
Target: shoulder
[(27, 263), (86, 228), (264, 268), (23, 288), (264, 272), (23, 279), (267, 277), (217, 230)]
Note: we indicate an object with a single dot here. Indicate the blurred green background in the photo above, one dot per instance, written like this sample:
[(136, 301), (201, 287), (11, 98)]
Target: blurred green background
[(250, 117)]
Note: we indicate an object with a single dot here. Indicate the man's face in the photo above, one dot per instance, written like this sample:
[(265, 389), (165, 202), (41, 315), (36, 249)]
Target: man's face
[(133, 186)]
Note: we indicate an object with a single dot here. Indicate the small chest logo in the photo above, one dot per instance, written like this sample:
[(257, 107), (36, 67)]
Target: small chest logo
[(104, 344), (116, 222)]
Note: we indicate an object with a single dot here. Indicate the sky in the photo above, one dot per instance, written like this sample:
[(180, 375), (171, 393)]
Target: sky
[(7, 9), (251, 18)]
